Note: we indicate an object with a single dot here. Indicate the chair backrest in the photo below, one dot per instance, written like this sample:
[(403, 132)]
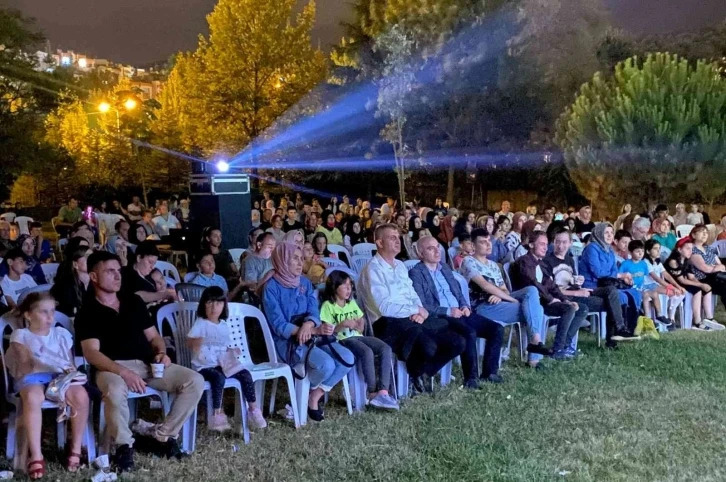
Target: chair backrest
[(50, 270), (236, 254), (168, 269), (5, 325), (34, 289), (720, 247), (452, 254), (464, 286), (62, 244), (23, 224), (237, 314), (190, 276), (506, 276), (365, 249), (63, 320), (340, 251), (189, 291), (170, 282), (410, 263), (359, 262), (9, 217), (334, 262), (180, 317), (684, 230), (348, 271), (664, 253)]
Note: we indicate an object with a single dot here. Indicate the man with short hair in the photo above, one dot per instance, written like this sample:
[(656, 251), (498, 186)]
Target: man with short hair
[(547, 217), (504, 211), (165, 221), (122, 229), (640, 229), (70, 213), (291, 223), (399, 318), (119, 339), (311, 225), (441, 294), (147, 222), (43, 248), (135, 209), (6, 244), (620, 245), (81, 229), (13, 283), (584, 223)]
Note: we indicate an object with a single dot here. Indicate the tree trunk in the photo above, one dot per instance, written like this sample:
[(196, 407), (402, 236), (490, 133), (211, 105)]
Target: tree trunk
[(450, 185)]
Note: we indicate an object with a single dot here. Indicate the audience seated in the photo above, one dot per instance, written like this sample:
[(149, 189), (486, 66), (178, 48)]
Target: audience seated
[(662, 233), (332, 234), (82, 229), (660, 282), (624, 212), (257, 264), (6, 244), (706, 265), (16, 279), (640, 229), (165, 221), (136, 276), (135, 209), (223, 262), (620, 246), (43, 248), (530, 270), (71, 281), (37, 355), (423, 340), (291, 309), (292, 223), (119, 339), (679, 266), (117, 245), (584, 223), (514, 237), (466, 248), (491, 298), (70, 213), (206, 275), (440, 293), (33, 268), (320, 246), (276, 229)]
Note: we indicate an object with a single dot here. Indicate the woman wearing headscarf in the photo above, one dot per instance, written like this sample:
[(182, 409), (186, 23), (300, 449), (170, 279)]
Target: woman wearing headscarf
[(255, 218), (599, 269), (354, 233), (446, 235), (433, 224), (291, 309), (117, 245), (415, 226), (295, 237), (328, 228)]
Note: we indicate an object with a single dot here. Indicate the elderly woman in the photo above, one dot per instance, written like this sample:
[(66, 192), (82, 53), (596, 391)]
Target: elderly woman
[(291, 308), (705, 263), (598, 268), (27, 244)]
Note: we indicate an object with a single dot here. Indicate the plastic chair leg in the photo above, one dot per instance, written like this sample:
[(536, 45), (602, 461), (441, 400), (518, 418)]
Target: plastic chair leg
[(446, 374), (89, 437), (346, 393), (293, 400), (11, 436), (402, 379), (61, 435), (209, 403), (359, 388), (273, 393), (240, 415), (302, 391)]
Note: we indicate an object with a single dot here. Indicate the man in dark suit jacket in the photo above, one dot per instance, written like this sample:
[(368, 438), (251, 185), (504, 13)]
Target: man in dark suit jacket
[(441, 295)]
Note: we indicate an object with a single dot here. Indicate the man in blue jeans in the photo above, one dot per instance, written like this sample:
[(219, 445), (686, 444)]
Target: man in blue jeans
[(493, 300), (441, 295)]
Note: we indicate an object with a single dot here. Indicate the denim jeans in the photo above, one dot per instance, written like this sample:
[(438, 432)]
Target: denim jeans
[(569, 320), (472, 327), (528, 311), (324, 369)]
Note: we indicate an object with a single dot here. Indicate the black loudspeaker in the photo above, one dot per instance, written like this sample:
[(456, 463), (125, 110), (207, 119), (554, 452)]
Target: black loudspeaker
[(222, 201)]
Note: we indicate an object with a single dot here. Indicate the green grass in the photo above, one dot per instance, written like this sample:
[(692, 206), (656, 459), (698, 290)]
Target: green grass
[(651, 411)]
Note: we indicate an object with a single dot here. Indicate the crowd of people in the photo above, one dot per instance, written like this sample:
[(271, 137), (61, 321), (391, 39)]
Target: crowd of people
[(435, 282)]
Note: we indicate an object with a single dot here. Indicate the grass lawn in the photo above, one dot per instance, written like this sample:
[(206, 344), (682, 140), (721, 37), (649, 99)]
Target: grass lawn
[(651, 411)]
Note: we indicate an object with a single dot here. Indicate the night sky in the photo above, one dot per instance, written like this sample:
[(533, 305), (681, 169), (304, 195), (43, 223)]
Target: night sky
[(143, 31)]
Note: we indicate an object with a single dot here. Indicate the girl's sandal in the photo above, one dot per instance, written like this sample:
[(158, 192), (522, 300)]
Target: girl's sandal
[(73, 462), (36, 469)]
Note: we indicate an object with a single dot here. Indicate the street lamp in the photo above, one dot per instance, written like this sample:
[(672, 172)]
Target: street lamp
[(104, 107)]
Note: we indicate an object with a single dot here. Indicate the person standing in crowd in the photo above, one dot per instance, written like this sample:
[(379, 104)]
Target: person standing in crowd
[(584, 223), (529, 270), (441, 294), (119, 339), (421, 339), (165, 221)]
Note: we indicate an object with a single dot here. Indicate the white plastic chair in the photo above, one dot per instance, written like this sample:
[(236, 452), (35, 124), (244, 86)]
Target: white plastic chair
[(23, 223), (720, 247), (410, 263), (189, 292), (62, 242), (9, 217), (684, 230), (16, 443), (34, 289), (334, 262), (190, 276), (168, 269), (236, 254), (348, 271), (50, 270), (358, 262), (341, 253), (452, 254), (365, 249)]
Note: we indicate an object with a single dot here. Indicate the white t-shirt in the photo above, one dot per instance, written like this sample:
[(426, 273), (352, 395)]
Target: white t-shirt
[(13, 288), (51, 353), (162, 226), (215, 342), (649, 283)]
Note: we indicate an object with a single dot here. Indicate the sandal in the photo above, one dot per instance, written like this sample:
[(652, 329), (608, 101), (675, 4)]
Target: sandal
[(37, 472), (72, 466)]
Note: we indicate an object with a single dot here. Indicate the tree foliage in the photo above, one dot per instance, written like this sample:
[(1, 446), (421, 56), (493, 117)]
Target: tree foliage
[(651, 131)]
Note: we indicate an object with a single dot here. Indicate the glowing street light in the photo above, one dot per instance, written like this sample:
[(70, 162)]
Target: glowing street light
[(104, 107), (130, 104)]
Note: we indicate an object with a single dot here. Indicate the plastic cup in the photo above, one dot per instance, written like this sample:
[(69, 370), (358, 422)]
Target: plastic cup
[(157, 370)]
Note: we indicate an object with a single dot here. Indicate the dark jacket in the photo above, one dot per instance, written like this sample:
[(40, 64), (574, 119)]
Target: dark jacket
[(423, 283), (523, 273)]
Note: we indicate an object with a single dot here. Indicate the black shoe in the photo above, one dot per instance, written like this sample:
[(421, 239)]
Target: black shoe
[(418, 384), (123, 459), (170, 449), (472, 384), (494, 378), (316, 415), (625, 335), (665, 321), (539, 349)]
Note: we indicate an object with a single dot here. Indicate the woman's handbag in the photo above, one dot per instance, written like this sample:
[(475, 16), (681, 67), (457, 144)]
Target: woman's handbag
[(614, 282), (57, 388), (315, 340)]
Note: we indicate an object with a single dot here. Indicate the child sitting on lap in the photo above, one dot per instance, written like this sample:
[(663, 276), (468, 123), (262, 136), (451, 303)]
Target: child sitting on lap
[(341, 310), (209, 341), (36, 356)]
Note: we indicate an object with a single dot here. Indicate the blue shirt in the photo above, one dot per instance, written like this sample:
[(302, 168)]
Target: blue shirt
[(214, 280), (639, 270), (446, 297)]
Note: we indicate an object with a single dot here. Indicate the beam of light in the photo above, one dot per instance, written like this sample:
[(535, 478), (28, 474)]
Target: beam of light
[(222, 166), (348, 113)]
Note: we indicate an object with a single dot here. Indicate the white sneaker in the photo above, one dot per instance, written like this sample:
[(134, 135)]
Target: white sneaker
[(255, 419), (713, 324), (219, 423)]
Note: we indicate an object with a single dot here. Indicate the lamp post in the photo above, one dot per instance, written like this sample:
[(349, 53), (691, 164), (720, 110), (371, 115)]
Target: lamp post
[(104, 107)]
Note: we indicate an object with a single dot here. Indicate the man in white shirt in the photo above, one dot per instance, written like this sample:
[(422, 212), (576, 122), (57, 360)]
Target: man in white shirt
[(135, 209), (424, 341), (16, 280), (165, 221)]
